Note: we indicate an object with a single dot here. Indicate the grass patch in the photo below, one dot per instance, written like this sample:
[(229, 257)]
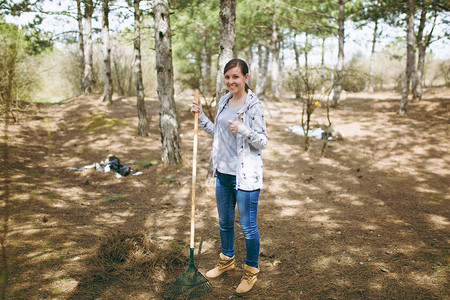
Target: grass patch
[(115, 198), (99, 121), (47, 127), (48, 99), (167, 180), (147, 163)]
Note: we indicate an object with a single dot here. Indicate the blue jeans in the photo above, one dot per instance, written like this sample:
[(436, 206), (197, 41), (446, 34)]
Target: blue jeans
[(247, 202)]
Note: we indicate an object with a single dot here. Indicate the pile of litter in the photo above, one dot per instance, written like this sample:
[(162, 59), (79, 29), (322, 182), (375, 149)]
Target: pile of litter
[(112, 163), (317, 132)]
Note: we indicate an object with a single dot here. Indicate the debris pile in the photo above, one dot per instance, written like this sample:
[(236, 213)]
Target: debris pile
[(318, 131), (112, 163)]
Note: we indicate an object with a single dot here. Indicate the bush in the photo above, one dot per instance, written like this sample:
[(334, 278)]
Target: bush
[(354, 80)]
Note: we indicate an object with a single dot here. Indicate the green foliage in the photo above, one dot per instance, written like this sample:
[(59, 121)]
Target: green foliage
[(195, 29), (354, 78), (36, 40), (18, 51)]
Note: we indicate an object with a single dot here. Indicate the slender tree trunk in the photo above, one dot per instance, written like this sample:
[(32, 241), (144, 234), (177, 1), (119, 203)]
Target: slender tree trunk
[(322, 64), (275, 59), (80, 44), (340, 65), (410, 58), (226, 42), (306, 51), (417, 85), (168, 123), (263, 60), (205, 65), (265, 69), (108, 89), (250, 62), (118, 76), (371, 83), (140, 96), (297, 54), (208, 72), (422, 44), (280, 68), (297, 66), (88, 47)]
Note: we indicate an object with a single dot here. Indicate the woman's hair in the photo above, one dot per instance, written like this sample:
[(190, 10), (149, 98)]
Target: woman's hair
[(236, 62)]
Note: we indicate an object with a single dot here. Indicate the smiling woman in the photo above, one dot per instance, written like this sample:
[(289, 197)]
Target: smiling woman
[(239, 133)]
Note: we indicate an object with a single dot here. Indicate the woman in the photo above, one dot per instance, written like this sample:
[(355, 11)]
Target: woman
[(239, 135)]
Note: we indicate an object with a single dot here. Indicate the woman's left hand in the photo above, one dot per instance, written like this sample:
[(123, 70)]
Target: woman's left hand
[(235, 125)]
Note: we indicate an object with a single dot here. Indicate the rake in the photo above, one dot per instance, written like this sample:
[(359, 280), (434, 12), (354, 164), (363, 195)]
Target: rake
[(191, 283)]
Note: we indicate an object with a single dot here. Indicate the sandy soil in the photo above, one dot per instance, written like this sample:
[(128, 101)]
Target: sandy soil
[(367, 220)]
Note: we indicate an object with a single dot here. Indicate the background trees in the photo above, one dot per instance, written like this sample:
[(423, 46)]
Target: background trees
[(280, 40)]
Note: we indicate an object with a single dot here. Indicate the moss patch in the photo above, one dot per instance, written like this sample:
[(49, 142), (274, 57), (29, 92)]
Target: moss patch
[(99, 121)]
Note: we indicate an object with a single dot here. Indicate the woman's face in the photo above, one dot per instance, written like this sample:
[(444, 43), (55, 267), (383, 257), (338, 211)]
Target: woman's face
[(235, 80)]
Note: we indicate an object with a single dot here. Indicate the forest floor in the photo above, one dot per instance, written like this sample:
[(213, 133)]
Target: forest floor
[(369, 219)]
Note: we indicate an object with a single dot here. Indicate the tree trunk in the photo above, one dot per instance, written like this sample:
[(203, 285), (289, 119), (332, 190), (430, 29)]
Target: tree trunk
[(340, 65), (140, 96), (275, 60), (322, 64), (422, 44), (297, 66), (108, 89), (164, 67), (205, 66), (226, 42), (410, 57), (88, 50), (263, 61), (296, 53), (118, 77), (80, 44), (306, 51), (371, 83), (250, 62), (227, 37)]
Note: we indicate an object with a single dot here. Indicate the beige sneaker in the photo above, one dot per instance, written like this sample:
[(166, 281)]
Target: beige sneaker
[(248, 279), (225, 264)]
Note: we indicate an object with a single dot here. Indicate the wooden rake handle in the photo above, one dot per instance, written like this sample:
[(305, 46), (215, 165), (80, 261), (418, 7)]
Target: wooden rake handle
[(194, 174)]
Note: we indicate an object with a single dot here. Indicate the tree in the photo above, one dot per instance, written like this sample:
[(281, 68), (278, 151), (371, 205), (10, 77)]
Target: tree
[(410, 57), (108, 89), (226, 42), (424, 39), (340, 65), (88, 46), (263, 65), (194, 44), (80, 42), (140, 96), (167, 112), (253, 39), (275, 50), (372, 11)]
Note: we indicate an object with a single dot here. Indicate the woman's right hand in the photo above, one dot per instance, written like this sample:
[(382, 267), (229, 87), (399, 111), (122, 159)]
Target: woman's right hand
[(196, 107)]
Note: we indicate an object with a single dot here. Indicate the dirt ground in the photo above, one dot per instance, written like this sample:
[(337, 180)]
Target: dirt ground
[(367, 220)]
